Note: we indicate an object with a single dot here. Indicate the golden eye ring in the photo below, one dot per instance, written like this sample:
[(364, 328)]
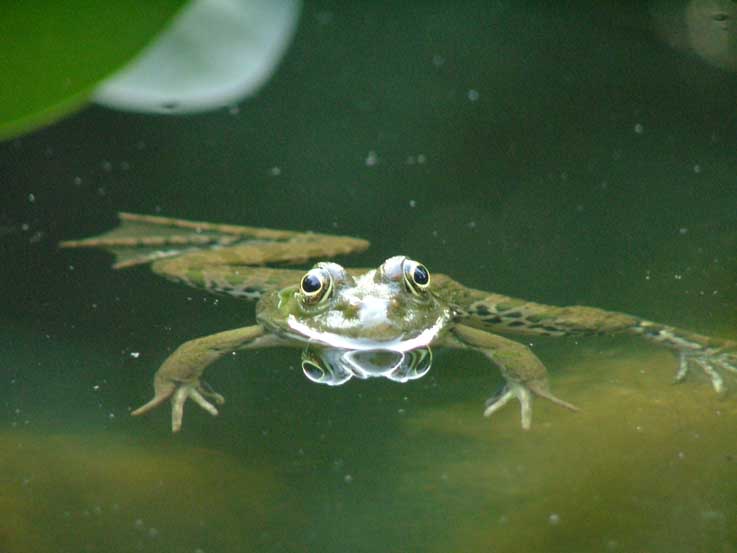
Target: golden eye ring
[(416, 276), (315, 286)]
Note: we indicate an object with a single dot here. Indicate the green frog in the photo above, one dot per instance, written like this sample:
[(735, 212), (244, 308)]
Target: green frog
[(394, 310)]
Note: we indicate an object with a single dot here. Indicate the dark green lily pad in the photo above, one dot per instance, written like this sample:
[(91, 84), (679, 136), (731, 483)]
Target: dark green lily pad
[(52, 54)]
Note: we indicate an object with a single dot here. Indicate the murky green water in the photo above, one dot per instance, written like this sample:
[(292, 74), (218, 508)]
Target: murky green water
[(565, 156)]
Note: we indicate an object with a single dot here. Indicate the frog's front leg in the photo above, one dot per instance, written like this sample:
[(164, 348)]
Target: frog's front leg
[(178, 378), (525, 374)]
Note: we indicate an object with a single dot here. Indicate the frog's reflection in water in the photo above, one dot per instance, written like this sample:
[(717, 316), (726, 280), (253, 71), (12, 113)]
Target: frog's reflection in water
[(337, 366)]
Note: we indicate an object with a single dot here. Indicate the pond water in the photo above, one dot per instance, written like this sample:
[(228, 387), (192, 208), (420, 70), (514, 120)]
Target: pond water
[(566, 155)]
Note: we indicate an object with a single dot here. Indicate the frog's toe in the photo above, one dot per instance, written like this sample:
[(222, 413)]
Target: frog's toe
[(540, 389), (200, 400), (206, 390), (727, 361), (183, 393), (162, 392), (709, 362), (509, 391), (177, 409), (497, 401), (524, 392), (717, 381)]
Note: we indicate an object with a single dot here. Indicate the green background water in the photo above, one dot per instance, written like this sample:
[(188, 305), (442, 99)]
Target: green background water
[(562, 155)]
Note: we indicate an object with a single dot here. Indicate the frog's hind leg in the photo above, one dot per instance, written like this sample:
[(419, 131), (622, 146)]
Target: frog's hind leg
[(141, 239)]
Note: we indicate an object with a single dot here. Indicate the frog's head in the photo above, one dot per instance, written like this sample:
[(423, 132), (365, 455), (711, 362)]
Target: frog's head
[(391, 307)]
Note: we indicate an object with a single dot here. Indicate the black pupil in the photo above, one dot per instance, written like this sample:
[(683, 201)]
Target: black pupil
[(310, 283), (420, 275)]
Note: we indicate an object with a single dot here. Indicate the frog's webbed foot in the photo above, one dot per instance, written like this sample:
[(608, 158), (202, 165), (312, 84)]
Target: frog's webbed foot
[(710, 361), (179, 393), (523, 392)]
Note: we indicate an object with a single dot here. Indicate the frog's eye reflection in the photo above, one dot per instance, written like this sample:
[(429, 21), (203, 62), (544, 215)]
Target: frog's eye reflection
[(313, 371), (315, 285), (416, 276)]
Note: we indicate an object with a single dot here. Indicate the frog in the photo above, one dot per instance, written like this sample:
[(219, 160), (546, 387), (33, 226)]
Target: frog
[(396, 308)]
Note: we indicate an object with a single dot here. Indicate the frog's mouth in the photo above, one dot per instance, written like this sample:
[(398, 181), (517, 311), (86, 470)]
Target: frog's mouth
[(400, 343)]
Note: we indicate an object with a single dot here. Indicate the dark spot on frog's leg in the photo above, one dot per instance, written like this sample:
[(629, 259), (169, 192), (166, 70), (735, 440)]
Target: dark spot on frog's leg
[(513, 315), (482, 310), (493, 320), (517, 323), (539, 317)]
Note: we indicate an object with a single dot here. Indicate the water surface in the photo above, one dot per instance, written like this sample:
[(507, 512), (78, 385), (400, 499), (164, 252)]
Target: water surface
[(564, 155)]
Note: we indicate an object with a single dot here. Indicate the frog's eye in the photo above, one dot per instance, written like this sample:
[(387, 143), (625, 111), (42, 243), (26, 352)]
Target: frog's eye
[(416, 276), (315, 285)]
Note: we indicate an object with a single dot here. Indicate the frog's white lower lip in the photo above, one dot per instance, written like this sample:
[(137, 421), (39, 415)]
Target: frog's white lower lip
[(400, 343)]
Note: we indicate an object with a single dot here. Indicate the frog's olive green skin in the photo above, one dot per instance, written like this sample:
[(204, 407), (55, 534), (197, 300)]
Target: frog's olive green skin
[(396, 307)]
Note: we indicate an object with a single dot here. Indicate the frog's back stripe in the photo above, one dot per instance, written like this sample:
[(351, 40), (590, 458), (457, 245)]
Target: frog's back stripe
[(141, 239)]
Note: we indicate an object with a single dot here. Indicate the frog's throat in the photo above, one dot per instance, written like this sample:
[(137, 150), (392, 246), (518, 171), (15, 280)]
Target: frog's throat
[(399, 344)]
